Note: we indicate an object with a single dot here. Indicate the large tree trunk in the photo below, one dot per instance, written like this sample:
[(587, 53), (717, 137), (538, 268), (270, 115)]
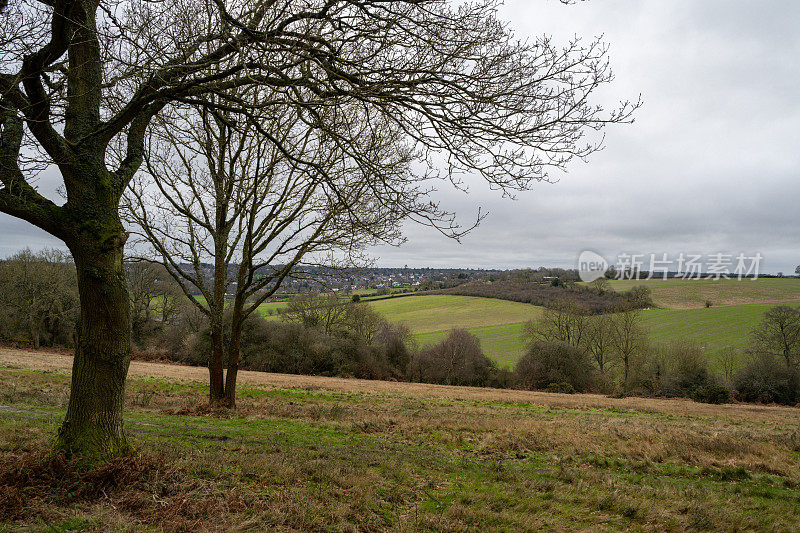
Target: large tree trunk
[(234, 350), (93, 426), (216, 394), (215, 368)]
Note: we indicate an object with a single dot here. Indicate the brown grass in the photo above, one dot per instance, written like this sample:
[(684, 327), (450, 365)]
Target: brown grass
[(61, 362), (305, 453)]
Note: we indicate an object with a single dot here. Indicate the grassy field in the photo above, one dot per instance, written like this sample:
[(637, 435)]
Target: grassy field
[(427, 314), (715, 329), (502, 343), (330, 454), (693, 294), (737, 308)]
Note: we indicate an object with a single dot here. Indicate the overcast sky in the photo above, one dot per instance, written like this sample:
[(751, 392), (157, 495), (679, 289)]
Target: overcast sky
[(711, 164)]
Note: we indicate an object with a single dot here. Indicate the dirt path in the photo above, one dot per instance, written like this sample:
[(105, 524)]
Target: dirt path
[(27, 359)]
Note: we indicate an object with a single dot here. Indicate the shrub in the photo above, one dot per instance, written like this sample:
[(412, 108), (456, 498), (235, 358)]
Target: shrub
[(712, 393), (563, 388), (767, 379), (394, 340), (680, 369), (546, 363), (457, 360)]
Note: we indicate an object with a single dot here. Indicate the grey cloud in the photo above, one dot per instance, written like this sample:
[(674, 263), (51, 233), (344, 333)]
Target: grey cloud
[(711, 163)]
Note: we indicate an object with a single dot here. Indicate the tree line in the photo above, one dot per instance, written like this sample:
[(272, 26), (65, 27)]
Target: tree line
[(595, 298), (570, 349)]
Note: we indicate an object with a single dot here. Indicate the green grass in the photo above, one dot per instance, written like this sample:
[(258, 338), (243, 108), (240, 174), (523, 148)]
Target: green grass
[(325, 457), (714, 328), (427, 314), (502, 343), (737, 308), (498, 323)]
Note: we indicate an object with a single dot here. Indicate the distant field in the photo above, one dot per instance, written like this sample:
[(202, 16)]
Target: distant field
[(715, 329), (737, 307), (427, 314), (502, 343), (266, 307), (693, 294)]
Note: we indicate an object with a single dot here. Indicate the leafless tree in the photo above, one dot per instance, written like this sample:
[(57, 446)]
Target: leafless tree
[(779, 334), (598, 341), (564, 321), (38, 291), (628, 339), (78, 77), (153, 297), (259, 206)]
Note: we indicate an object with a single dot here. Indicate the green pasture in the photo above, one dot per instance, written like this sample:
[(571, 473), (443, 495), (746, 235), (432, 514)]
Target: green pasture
[(436, 313)]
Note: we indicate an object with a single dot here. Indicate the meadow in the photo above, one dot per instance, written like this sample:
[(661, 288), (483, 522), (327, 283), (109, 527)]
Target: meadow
[(737, 307), (309, 453), (694, 293)]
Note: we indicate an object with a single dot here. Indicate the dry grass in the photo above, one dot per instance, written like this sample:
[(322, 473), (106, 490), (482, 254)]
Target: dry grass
[(306, 453), (32, 360), (693, 294)]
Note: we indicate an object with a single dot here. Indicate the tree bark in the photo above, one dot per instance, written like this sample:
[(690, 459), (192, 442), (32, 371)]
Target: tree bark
[(93, 426), (234, 350), (216, 391)]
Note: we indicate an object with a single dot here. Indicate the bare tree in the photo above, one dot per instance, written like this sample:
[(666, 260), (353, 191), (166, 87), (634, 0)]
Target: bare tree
[(730, 360), (153, 296), (38, 290), (628, 339), (564, 321), (779, 334), (315, 310), (598, 341), (80, 76), (259, 206)]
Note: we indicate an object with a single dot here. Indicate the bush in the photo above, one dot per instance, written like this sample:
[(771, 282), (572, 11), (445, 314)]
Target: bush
[(457, 360), (767, 379), (680, 369), (712, 393), (272, 346), (394, 340), (562, 388), (547, 363)]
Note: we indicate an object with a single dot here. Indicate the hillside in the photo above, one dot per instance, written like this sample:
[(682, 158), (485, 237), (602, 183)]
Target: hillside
[(737, 307), (693, 294), (305, 453), (426, 314), (715, 329)]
